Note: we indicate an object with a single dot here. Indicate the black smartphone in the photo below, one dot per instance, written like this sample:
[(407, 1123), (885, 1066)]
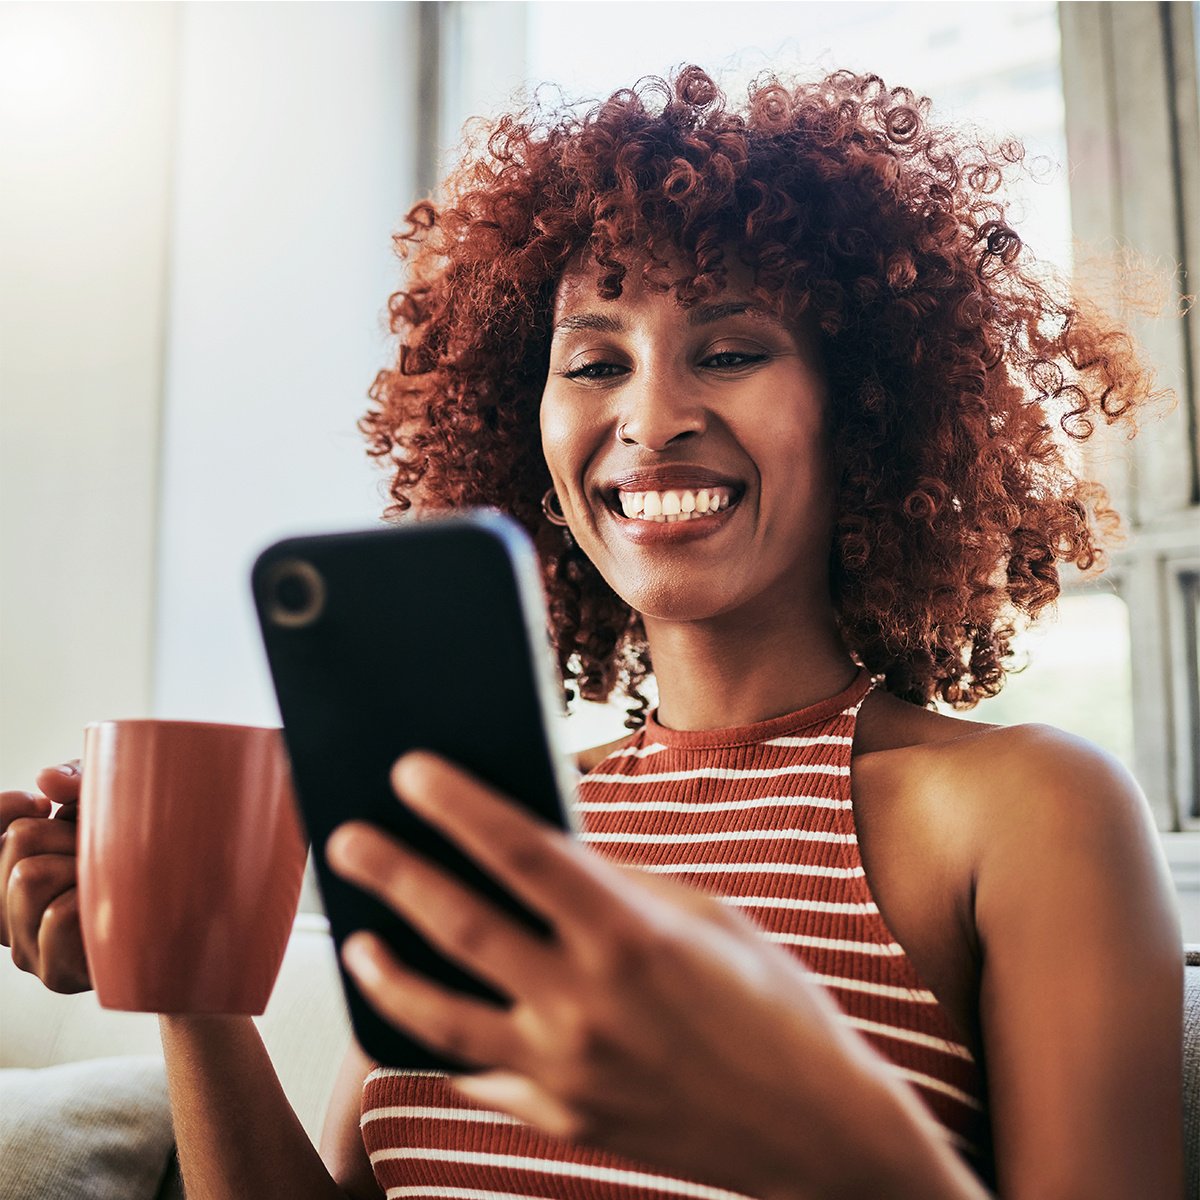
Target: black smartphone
[(429, 635)]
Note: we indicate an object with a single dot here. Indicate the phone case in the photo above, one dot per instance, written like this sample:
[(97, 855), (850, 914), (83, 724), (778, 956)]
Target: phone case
[(428, 635)]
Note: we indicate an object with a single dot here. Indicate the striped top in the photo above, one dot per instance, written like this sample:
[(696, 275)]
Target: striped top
[(762, 817)]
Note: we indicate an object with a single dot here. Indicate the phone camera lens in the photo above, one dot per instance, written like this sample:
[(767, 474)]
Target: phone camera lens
[(295, 593)]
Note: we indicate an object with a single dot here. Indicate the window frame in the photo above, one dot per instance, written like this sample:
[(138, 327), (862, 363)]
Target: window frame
[(1133, 143)]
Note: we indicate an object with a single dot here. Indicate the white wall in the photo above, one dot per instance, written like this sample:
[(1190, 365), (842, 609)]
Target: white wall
[(293, 169), (196, 205), (86, 109)]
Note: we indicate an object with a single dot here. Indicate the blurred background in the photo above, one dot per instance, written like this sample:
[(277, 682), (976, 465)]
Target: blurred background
[(196, 203)]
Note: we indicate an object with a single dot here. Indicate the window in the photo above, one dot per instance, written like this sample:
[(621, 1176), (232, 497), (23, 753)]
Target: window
[(1186, 619), (1076, 673)]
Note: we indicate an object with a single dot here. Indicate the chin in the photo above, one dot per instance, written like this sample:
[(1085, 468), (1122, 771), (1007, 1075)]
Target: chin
[(673, 600)]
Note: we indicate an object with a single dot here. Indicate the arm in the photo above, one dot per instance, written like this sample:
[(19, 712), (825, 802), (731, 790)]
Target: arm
[(341, 1138), (236, 1132), (1081, 994)]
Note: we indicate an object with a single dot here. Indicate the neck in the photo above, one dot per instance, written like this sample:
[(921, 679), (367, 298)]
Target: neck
[(721, 673)]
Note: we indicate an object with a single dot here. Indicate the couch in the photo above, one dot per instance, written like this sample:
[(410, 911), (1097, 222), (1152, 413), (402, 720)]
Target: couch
[(83, 1102)]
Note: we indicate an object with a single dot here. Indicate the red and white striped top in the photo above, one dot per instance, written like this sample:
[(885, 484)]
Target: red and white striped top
[(762, 817)]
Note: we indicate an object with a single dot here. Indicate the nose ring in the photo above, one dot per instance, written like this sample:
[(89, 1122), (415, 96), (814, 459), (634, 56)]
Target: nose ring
[(623, 437)]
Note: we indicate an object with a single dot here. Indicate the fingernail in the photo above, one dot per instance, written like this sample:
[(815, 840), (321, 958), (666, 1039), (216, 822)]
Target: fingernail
[(357, 955), (67, 769), (339, 849), (406, 779)]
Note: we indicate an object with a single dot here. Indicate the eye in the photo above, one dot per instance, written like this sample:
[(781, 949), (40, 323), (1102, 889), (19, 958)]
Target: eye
[(728, 359), (593, 370)]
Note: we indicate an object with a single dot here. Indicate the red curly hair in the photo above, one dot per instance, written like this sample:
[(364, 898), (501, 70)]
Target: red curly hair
[(946, 351)]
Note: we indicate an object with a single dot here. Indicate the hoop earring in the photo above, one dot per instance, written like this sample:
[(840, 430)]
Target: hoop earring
[(552, 507)]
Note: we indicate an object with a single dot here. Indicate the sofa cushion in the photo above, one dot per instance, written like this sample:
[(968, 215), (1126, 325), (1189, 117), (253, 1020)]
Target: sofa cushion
[(98, 1129)]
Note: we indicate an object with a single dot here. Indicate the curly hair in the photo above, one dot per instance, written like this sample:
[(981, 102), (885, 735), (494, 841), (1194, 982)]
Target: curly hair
[(948, 352)]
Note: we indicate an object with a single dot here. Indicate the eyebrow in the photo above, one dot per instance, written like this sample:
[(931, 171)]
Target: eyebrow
[(703, 314)]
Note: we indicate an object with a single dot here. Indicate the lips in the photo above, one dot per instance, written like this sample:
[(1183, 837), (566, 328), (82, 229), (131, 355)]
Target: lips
[(668, 478)]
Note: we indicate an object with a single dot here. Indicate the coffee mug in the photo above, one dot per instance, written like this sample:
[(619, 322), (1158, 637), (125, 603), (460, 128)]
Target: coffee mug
[(191, 857)]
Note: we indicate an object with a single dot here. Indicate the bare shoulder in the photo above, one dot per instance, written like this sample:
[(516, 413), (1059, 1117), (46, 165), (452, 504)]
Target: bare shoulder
[(997, 774), (996, 813), (1066, 868), (995, 786), (1018, 781), (919, 775), (585, 760), (1057, 804)]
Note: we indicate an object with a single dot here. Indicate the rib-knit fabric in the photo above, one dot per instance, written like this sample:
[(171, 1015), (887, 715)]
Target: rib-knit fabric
[(760, 816)]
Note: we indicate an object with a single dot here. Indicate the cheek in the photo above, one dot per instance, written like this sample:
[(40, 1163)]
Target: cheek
[(550, 426), (794, 456), (563, 442)]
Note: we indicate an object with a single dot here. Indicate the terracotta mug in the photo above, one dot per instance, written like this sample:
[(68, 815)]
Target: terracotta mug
[(191, 857)]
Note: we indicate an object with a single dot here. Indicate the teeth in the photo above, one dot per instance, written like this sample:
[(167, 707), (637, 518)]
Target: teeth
[(671, 506)]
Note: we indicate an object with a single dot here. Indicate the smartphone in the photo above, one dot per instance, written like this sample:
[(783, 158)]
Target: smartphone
[(427, 635)]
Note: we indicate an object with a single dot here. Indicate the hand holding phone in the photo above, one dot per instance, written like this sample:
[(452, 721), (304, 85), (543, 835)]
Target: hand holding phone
[(432, 636)]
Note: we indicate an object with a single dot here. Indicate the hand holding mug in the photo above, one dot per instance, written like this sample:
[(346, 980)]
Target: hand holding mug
[(39, 901)]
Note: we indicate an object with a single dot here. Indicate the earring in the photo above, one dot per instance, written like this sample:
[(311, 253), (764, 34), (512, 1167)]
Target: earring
[(552, 507), (623, 437)]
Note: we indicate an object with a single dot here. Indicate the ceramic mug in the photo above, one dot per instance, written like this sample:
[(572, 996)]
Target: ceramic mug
[(191, 857)]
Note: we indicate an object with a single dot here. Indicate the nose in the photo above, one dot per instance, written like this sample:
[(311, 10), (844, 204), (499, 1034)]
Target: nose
[(658, 411)]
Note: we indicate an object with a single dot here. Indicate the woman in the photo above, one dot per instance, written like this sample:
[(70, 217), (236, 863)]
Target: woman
[(776, 393)]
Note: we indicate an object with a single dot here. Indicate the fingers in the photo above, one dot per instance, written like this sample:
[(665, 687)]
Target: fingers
[(521, 1097), (25, 840), (61, 783), (39, 905), (449, 914), (21, 804), (62, 963), (467, 1030), (44, 917), (536, 862)]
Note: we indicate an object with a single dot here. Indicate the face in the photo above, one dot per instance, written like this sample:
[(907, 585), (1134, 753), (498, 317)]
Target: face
[(688, 449)]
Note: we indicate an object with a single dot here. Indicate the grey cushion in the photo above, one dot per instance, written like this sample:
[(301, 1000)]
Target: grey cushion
[(93, 1130)]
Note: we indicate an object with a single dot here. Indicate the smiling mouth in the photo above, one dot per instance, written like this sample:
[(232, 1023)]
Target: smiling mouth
[(673, 505)]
